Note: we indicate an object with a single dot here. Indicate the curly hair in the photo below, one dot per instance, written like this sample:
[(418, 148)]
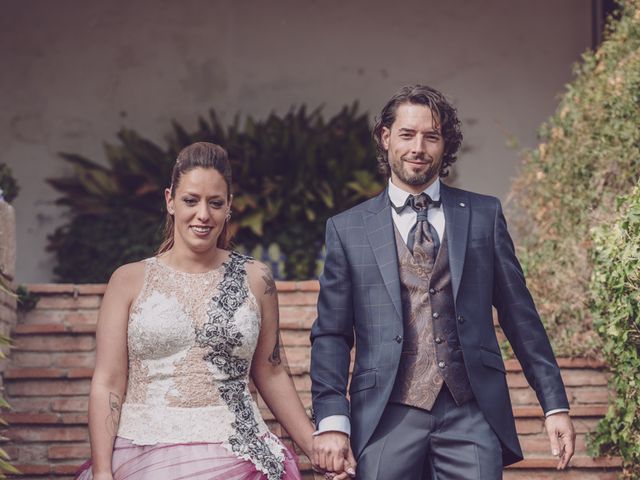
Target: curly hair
[(444, 113)]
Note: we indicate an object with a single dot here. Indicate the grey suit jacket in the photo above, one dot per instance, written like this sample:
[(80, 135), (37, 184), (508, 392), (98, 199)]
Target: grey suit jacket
[(360, 301)]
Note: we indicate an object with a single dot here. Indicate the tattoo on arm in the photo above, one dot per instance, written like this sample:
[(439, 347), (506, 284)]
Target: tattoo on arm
[(113, 419), (274, 358), (269, 282), (270, 289)]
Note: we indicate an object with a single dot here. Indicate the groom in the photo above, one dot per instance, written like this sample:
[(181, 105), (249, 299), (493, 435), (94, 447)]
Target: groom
[(411, 277)]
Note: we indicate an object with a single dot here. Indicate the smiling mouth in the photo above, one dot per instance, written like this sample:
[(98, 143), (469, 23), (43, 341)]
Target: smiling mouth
[(417, 162), (201, 229)]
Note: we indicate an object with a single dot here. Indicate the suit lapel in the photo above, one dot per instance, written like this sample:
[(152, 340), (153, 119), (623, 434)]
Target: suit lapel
[(457, 214), (379, 227)]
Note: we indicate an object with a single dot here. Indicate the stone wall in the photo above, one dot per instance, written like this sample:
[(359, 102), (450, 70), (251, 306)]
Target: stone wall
[(74, 72), (7, 272)]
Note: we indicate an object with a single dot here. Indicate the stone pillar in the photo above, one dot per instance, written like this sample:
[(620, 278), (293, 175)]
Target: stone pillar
[(8, 302)]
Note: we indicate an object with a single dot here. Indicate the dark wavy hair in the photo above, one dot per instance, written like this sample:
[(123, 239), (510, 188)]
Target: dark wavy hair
[(444, 113), (198, 155)]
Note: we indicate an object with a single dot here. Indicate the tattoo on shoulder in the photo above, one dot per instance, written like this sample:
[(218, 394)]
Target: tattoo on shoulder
[(113, 419), (269, 282)]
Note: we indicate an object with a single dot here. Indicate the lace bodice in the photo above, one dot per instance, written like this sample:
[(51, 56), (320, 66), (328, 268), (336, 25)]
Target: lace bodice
[(191, 338)]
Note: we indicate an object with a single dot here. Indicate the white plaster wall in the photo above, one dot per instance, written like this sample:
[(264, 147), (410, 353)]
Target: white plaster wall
[(73, 72)]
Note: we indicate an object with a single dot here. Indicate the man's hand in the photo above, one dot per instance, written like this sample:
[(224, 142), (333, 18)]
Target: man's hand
[(332, 453), (562, 437)]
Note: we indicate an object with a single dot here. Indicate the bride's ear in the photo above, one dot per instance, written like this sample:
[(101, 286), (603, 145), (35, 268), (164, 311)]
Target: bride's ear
[(169, 201)]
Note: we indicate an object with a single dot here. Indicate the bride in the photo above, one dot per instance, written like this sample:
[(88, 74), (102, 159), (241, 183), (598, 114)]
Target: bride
[(178, 336)]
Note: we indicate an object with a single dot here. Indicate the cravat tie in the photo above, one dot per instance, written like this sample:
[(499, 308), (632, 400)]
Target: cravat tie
[(422, 232)]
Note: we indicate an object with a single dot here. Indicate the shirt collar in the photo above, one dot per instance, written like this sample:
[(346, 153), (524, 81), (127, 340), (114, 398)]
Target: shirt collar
[(398, 196)]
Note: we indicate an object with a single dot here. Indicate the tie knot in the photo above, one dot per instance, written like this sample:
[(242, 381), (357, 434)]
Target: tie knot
[(418, 203), (421, 202)]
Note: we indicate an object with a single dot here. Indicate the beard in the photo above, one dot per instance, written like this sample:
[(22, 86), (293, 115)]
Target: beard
[(414, 179)]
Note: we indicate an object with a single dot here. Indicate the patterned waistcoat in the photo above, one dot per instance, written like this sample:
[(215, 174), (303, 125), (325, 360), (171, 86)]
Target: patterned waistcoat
[(431, 353)]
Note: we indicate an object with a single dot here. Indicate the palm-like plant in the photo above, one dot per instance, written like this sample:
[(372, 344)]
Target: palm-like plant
[(290, 174)]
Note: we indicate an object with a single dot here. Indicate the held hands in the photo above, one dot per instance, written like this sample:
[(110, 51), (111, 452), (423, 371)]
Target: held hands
[(562, 437), (332, 454)]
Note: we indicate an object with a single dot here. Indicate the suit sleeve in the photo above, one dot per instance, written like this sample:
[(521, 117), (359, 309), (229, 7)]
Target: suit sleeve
[(332, 332), (521, 323)]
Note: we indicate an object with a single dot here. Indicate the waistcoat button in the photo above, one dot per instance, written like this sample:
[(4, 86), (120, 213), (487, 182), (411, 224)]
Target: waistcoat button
[(438, 340), (460, 319), (435, 315), (441, 364), (398, 338)]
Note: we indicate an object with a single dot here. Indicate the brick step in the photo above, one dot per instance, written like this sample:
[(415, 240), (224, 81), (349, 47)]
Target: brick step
[(521, 414), (41, 345), (525, 425), (583, 468), (32, 428), (569, 474), (576, 461)]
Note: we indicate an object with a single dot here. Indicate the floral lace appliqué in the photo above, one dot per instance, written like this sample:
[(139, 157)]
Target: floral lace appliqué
[(221, 336)]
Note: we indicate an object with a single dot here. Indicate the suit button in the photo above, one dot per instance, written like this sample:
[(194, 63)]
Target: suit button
[(398, 338), (438, 340), (460, 319), (432, 291), (441, 364), (435, 315)]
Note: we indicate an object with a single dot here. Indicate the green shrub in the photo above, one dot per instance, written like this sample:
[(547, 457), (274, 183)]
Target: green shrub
[(8, 186), (616, 311), (590, 154), (290, 174)]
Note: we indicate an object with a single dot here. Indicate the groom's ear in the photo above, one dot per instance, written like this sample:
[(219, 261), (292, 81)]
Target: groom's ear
[(384, 137)]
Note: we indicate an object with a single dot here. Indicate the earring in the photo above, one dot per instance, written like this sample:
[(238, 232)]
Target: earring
[(228, 217)]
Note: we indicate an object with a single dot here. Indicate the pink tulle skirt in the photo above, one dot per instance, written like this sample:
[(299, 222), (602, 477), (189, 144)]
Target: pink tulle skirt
[(199, 461)]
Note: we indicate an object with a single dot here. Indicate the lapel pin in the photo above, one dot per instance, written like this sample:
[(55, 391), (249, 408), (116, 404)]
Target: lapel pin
[(462, 204)]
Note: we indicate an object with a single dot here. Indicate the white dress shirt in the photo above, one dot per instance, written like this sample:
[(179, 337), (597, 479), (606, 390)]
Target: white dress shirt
[(403, 221)]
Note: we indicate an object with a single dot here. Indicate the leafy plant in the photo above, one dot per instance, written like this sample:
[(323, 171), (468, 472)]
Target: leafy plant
[(115, 212), (589, 154), (290, 174), (8, 186), (27, 300), (616, 310)]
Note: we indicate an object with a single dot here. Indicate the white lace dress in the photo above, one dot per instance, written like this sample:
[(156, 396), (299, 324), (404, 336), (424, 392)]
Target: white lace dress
[(188, 412)]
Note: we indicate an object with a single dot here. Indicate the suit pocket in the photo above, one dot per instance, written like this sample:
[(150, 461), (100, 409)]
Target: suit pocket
[(363, 381), (492, 360)]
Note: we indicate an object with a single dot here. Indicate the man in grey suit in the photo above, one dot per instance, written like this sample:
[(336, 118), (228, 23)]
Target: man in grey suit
[(411, 277)]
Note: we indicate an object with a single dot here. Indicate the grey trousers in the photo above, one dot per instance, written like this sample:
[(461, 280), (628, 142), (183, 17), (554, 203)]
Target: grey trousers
[(446, 443)]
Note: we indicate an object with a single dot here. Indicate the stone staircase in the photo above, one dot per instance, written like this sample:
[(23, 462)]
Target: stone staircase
[(47, 381)]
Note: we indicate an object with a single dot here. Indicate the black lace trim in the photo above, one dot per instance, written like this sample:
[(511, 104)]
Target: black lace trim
[(221, 336)]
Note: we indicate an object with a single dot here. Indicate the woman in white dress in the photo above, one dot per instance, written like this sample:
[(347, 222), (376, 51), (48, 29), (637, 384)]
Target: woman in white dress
[(178, 336)]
